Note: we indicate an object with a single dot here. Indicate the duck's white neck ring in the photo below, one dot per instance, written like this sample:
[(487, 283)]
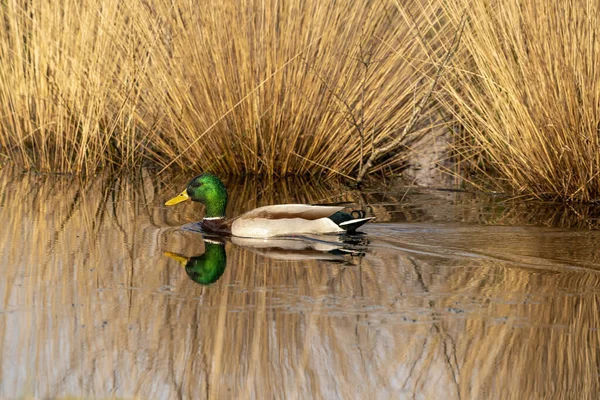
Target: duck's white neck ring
[(212, 218)]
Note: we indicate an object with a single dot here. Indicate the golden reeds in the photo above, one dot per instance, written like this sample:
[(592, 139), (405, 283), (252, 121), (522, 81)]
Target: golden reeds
[(304, 87), (69, 95), (525, 89), (254, 87)]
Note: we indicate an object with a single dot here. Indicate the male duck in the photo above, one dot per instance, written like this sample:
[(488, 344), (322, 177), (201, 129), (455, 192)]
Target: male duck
[(268, 221)]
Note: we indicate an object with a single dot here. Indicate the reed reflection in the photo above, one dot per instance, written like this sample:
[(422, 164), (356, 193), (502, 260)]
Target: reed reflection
[(91, 307)]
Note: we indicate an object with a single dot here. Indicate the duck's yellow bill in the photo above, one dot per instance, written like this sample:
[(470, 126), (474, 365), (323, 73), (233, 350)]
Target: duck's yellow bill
[(177, 257), (183, 196)]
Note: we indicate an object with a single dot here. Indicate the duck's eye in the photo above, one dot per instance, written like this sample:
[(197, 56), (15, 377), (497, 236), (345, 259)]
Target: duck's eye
[(196, 184)]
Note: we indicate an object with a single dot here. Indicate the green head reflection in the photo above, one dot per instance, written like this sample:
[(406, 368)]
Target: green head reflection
[(206, 268)]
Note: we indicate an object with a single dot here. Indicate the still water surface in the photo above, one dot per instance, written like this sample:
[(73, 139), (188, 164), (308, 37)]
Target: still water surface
[(107, 293)]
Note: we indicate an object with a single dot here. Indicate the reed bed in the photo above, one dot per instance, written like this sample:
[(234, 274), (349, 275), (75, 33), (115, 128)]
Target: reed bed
[(265, 87), (524, 89), (306, 88)]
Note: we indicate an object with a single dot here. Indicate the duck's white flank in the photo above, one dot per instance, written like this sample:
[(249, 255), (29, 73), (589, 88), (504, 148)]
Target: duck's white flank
[(264, 227)]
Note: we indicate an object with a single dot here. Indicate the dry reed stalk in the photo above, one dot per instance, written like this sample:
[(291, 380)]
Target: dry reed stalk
[(526, 91)]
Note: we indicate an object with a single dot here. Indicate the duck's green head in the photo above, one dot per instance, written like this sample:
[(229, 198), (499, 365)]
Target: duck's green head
[(208, 190)]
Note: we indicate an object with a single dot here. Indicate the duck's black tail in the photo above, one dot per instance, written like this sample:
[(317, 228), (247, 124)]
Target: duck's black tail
[(351, 221)]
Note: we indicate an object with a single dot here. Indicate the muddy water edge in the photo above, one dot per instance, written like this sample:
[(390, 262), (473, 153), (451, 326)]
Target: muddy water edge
[(105, 292)]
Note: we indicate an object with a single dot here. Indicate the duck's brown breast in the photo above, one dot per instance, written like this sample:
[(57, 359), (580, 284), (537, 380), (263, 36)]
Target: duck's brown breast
[(221, 226)]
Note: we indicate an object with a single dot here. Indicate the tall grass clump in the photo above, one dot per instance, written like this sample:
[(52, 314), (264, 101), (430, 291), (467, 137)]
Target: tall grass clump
[(297, 87), (526, 92)]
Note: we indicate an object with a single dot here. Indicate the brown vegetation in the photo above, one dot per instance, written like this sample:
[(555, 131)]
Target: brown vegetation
[(254, 87), (526, 90), (305, 87)]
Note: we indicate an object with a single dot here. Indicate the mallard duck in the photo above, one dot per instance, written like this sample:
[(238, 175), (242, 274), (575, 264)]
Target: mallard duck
[(267, 221)]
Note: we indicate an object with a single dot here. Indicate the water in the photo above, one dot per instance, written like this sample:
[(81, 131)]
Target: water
[(446, 296)]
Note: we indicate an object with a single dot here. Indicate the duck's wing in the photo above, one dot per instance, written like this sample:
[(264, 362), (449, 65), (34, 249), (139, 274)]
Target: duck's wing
[(285, 211)]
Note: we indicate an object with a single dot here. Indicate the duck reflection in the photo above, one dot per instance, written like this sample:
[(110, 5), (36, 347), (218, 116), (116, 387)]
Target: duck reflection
[(208, 267), (330, 248)]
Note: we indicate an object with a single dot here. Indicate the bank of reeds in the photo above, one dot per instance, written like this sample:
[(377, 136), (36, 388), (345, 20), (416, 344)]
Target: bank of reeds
[(304, 87), (526, 91), (238, 87)]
